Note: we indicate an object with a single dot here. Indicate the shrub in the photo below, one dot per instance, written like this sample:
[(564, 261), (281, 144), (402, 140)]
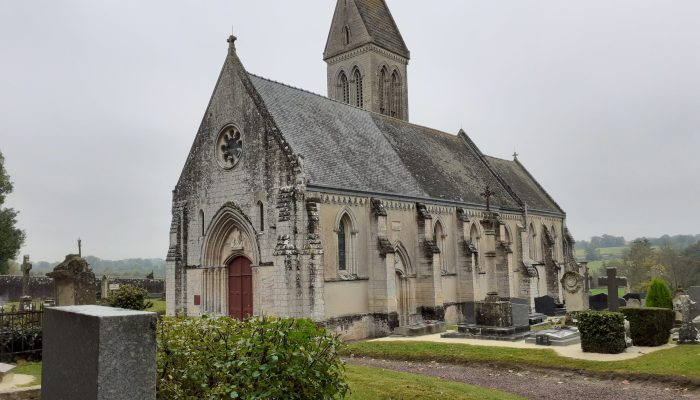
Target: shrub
[(26, 341), (649, 326), (602, 332), (130, 298), (659, 295), (261, 358)]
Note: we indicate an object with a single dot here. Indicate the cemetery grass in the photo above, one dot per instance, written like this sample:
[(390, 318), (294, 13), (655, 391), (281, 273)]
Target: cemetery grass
[(157, 307), (29, 368), (680, 364), (374, 383)]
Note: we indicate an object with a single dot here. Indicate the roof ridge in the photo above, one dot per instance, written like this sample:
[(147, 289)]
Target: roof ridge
[(519, 164), (353, 106)]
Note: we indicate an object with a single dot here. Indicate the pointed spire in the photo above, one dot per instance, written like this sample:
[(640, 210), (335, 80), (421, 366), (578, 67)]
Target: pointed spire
[(359, 22)]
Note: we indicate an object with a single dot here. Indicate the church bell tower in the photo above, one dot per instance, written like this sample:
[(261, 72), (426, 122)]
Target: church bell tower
[(367, 58)]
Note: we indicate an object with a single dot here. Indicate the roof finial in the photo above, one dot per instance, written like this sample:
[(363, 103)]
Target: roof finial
[(232, 42), (515, 155)]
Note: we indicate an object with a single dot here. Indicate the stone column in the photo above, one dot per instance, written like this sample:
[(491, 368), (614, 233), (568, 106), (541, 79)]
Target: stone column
[(101, 353)]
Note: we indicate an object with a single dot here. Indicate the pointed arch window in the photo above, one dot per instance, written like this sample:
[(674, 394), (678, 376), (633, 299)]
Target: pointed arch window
[(395, 95), (532, 242), (346, 35), (382, 91), (474, 239), (357, 79), (342, 248), (344, 88), (261, 211), (346, 245), (439, 237), (201, 221)]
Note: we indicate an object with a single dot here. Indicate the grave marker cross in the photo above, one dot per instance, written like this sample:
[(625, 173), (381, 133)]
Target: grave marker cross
[(487, 194), (613, 302)]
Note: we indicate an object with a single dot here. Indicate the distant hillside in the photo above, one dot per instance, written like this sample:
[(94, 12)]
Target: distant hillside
[(133, 267)]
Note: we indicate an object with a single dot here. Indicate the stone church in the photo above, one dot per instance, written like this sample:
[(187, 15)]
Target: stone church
[(340, 210)]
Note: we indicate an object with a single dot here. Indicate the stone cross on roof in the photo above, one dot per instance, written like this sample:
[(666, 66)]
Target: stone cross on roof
[(487, 194)]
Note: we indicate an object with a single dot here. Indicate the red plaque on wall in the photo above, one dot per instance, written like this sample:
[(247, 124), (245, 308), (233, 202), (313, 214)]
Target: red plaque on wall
[(197, 300)]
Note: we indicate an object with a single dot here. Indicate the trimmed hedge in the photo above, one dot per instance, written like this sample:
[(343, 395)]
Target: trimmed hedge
[(649, 326), (261, 358), (129, 297), (602, 332)]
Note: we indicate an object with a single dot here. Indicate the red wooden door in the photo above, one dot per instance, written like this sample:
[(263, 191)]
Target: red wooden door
[(240, 288)]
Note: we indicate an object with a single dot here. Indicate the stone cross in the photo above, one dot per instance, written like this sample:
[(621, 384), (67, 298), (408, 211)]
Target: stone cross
[(612, 282), (487, 194), (26, 267)]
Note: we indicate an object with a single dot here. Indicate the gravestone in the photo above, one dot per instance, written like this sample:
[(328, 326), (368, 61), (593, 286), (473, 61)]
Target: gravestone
[(496, 319), (100, 353), (694, 293), (26, 267), (613, 282), (598, 302), (688, 334), (633, 303), (555, 337), (548, 306), (636, 296), (74, 282), (574, 292)]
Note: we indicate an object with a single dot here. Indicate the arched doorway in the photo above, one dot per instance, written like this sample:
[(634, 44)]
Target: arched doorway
[(240, 288), (402, 298)]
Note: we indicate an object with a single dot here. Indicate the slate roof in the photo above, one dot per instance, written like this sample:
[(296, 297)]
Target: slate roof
[(381, 26), (528, 190), (345, 147)]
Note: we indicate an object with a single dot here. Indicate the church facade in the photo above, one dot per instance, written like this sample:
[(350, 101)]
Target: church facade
[(338, 209)]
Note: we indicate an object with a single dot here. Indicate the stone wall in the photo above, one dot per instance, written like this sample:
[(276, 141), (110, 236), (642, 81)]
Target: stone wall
[(11, 288), (41, 287)]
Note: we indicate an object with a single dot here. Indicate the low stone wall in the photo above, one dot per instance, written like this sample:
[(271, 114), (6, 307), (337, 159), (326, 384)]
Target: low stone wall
[(11, 288), (41, 287), (151, 285), (30, 393)]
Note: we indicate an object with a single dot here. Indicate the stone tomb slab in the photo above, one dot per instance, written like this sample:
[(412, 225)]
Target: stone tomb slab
[(555, 337), (694, 293), (421, 329)]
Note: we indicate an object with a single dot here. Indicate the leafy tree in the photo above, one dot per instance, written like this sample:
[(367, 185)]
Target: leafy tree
[(592, 254), (639, 261), (659, 295), (11, 238)]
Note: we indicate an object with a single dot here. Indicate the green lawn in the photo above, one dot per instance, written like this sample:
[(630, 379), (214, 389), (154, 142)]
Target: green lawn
[(373, 383), (29, 368), (612, 251), (158, 306), (680, 361)]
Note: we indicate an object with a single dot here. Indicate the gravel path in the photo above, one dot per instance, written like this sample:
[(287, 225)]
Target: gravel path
[(540, 385)]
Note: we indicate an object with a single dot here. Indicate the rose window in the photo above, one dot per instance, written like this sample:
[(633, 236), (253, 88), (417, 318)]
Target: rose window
[(229, 147)]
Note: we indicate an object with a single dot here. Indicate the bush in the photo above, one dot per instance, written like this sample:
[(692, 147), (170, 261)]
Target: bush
[(261, 358), (26, 341), (602, 332), (650, 326), (659, 295), (130, 298)]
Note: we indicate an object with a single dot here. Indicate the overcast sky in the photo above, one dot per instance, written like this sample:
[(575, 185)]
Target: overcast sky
[(100, 102)]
